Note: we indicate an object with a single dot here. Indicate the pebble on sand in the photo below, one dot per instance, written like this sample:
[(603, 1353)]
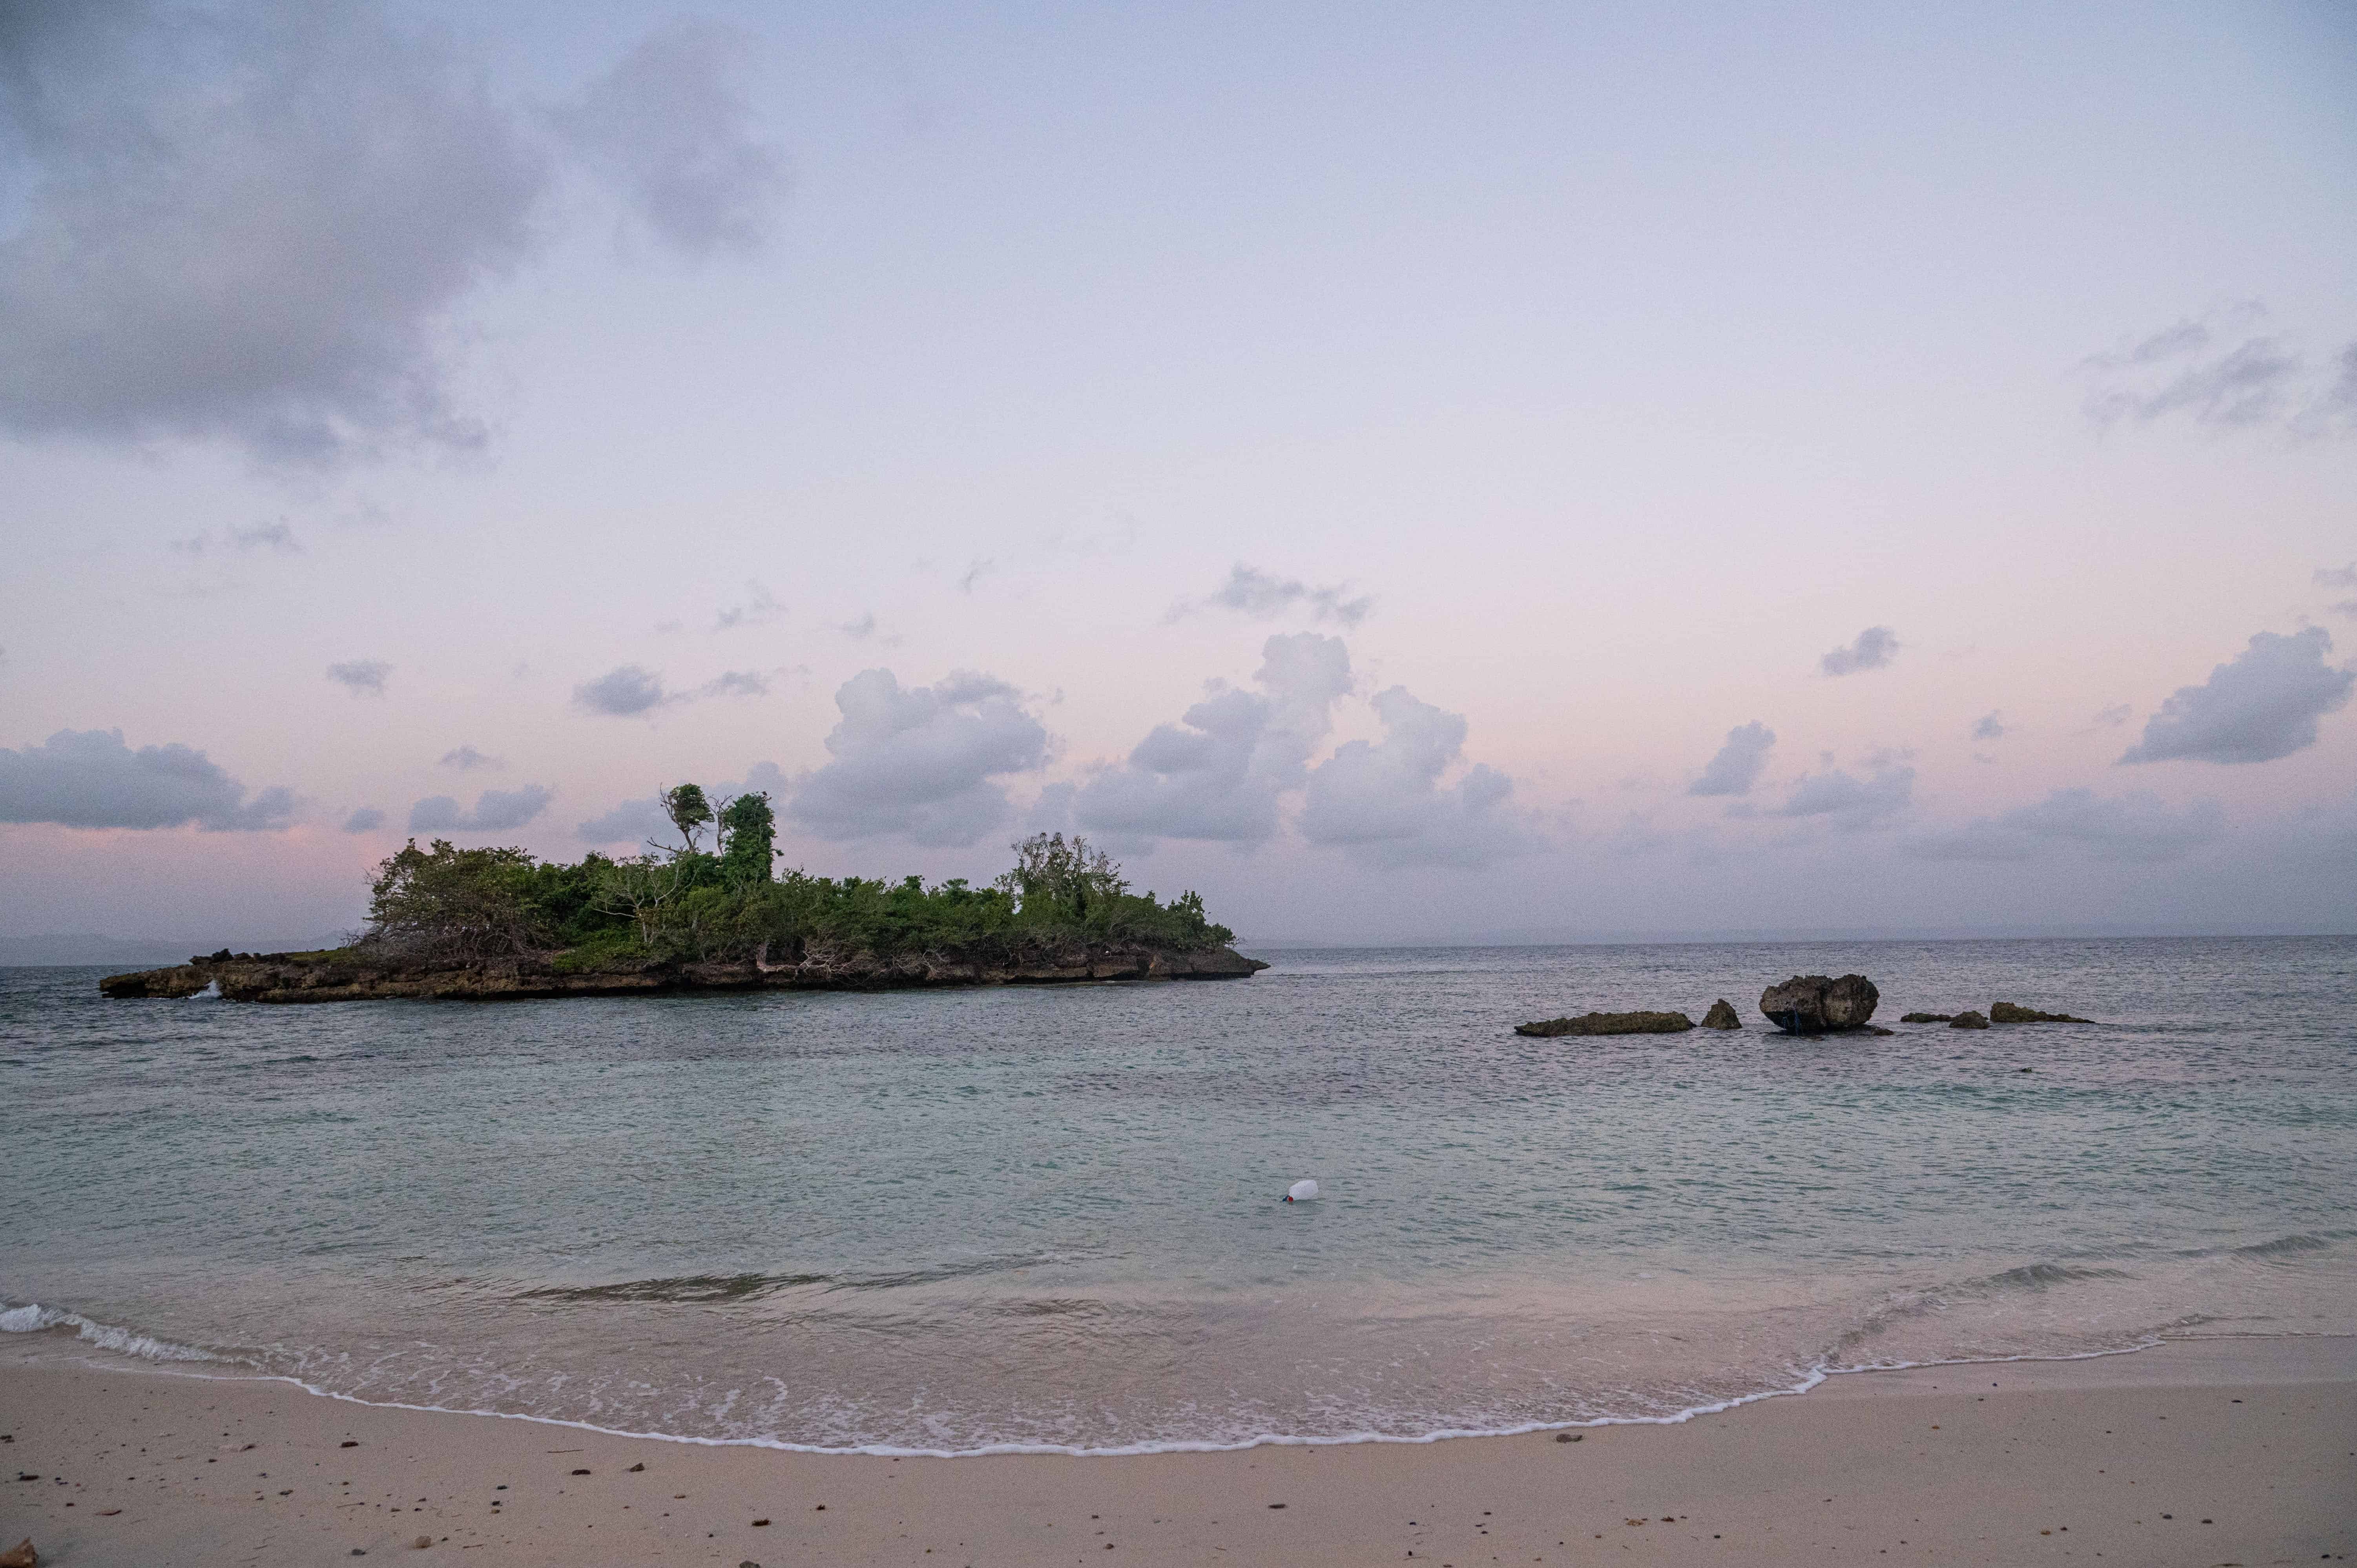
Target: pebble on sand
[(21, 1555)]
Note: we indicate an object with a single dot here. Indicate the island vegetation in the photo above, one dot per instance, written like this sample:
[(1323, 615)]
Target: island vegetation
[(710, 910)]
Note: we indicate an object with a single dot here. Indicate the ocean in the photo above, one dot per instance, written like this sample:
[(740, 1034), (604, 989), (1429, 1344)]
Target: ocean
[(966, 1222)]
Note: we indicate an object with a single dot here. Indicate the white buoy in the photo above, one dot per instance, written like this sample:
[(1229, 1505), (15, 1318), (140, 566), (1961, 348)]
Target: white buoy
[(1301, 1192)]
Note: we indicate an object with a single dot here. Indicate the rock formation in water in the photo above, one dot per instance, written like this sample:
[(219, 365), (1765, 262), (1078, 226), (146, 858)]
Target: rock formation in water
[(353, 974), (1968, 1020), (1816, 1004), (2006, 1012), (1722, 1016), (1926, 1017), (1610, 1024)]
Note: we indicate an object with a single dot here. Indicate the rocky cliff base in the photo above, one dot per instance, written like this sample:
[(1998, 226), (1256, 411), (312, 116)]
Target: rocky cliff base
[(357, 974)]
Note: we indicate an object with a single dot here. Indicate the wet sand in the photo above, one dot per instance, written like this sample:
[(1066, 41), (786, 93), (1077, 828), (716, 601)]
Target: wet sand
[(2201, 1452)]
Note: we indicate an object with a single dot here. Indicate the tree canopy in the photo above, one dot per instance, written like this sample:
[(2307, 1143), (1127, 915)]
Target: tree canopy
[(686, 902)]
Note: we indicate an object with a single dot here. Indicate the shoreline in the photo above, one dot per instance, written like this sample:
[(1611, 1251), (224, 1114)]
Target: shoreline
[(1773, 1478)]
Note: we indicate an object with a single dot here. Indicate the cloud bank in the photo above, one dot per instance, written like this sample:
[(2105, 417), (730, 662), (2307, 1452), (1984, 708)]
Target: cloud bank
[(90, 778), (2263, 704), (2136, 828), (1218, 772), (1851, 802), (1736, 767), (919, 763)]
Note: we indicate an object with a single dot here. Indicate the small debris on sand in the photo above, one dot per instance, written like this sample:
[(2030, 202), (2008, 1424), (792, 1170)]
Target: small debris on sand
[(580, 1472), (1569, 1436), (21, 1555), (636, 1468), (421, 1544), (349, 1443)]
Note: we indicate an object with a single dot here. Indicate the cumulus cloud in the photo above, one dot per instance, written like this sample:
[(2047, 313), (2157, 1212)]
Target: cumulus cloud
[(670, 128), (465, 759), (1990, 727), (361, 677), (2263, 704), (2136, 827), (1736, 767), (1252, 592), (90, 778), (1383, 802), (621, 692), (1849, 801), (247, 224), (1218, 772), (366, 820), (496, 811), (1875, 646), (918, 762), (2221, 369)]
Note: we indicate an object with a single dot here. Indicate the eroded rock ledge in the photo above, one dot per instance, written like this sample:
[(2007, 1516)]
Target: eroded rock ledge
[(349, 975)]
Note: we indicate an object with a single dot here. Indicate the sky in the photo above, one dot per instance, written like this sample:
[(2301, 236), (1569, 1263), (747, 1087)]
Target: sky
[(1411, 473)]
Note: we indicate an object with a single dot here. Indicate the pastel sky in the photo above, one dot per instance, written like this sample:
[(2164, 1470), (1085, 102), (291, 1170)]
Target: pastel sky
[(1411, 473)]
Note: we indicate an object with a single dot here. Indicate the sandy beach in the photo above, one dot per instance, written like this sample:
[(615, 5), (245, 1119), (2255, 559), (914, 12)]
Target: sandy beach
[(2198, 1452)]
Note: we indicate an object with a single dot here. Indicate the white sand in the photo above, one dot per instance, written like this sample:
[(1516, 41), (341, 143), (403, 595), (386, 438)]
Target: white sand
[(2198, 1452)]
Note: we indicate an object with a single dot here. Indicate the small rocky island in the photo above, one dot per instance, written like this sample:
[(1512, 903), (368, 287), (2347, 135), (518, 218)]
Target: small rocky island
[(480, 924)]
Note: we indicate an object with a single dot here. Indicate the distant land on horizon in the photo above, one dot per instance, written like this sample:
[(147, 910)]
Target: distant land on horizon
[(55, 949)]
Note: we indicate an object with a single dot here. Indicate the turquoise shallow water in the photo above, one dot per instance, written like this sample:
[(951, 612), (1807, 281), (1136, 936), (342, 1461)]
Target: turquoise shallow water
[(956, 1221)]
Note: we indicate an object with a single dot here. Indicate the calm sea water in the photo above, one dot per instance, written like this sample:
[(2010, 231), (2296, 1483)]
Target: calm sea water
[(958, 1221)]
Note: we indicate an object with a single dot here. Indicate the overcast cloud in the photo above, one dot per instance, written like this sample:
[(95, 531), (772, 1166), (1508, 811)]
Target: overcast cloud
[(1736, 767), (919, 763), (1217, 773), (1383, 800), (2263, 704), (496, 811), (90, 778), (1874, 648), (2136, 827)]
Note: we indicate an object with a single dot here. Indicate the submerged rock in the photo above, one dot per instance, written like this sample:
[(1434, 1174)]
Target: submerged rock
[(1610, 1024), (1721, 1016), (2006, 1012), (1968, 1020), (1816, 1004), (1926, 1017)]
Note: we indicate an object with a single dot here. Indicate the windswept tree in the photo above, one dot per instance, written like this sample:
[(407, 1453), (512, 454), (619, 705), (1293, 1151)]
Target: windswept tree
[(689, 812)]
